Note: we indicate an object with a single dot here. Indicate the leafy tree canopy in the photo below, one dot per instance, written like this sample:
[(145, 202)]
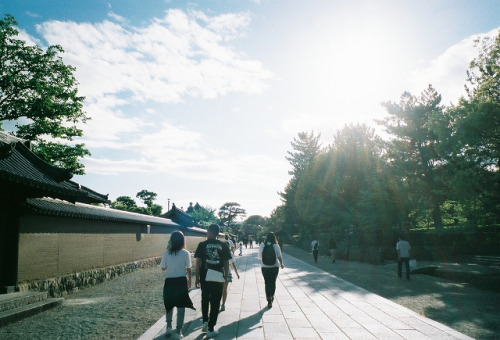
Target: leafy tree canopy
[(38, 93), (128, 204), (147, 197), (229, 212), (203, 215)]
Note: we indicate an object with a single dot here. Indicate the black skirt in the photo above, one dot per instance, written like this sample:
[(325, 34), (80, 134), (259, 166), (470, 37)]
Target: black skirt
[(175, 293)]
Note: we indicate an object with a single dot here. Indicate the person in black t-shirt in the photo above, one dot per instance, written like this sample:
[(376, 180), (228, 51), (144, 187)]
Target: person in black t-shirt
[(214, 255)]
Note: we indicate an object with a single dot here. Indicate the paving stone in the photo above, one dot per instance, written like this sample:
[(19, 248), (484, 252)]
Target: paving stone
[(310, 304)]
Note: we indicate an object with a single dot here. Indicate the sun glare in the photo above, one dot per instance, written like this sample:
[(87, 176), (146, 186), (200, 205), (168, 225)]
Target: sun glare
[(348, 72)]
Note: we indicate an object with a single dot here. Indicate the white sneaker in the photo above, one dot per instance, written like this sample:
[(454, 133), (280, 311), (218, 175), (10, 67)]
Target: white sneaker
[(204, 328), (212, 334)]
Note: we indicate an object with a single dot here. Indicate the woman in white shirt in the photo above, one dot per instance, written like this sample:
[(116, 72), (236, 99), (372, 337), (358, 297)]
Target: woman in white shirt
[(270, 255), (176, 261), (232, 263)]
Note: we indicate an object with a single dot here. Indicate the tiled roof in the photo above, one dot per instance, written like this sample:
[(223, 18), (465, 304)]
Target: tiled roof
[(24, 174), (54, 207), (180, 217)]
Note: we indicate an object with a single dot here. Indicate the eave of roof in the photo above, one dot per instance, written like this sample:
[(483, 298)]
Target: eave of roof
[(21, 167), (180, 217), (54, 207)]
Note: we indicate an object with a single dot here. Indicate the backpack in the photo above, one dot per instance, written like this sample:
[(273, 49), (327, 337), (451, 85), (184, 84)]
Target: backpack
[(316, 246), (268, 254)]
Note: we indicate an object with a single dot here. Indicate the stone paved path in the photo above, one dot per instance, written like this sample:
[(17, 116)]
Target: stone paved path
[(310, 304)]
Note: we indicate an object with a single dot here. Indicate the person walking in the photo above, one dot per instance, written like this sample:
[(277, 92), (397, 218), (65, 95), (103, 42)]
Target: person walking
[(333, 249), (403, 248), (270, 255), (230, 243), (176, 261), (232, 263), (315, 249), (212, 268)]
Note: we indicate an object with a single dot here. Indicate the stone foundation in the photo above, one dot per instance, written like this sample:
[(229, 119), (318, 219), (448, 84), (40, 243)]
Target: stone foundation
[(61, 286)]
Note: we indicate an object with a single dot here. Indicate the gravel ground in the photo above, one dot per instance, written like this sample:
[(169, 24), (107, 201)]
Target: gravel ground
[(124, 308)]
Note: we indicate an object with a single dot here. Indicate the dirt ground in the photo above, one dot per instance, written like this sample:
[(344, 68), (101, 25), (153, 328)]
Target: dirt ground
[(467, 309)]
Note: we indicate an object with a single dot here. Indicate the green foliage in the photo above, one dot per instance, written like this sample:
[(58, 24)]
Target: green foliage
[(39, 92), (345, 191), (253, 225), (305, 149), (203, 215), (229, 212), (147, 197), (125, 201), (438, 172), (413, 148), (128, 204)]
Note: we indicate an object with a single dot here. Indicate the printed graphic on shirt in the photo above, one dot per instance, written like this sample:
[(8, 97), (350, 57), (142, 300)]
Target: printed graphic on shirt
[(213, 251)]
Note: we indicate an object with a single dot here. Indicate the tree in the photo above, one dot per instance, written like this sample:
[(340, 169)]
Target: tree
[(125, 201), (148, 197), (228, 212), (345, 191), (414, 150), (203, 215), (39, 93), (253, 224), (305, 148), (473, 128)]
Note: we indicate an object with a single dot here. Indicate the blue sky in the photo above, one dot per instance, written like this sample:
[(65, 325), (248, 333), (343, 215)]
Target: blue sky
[(198, 101)]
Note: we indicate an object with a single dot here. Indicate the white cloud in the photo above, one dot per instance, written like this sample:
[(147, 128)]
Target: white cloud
[(122, 68), (117, 17), (447, 72), (181, 54), (28, 39)]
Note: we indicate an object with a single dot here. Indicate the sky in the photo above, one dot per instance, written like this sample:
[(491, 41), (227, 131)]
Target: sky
[(199, 101)]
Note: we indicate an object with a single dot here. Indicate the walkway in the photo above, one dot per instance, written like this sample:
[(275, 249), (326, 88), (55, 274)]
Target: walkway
[(309, 304)]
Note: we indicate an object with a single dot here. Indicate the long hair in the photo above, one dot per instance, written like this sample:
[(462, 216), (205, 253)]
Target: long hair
[(176, 242), (271, 238)]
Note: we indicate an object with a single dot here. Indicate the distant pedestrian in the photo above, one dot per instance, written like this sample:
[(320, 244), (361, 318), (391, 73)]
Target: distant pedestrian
[(241, 249), (176, 261), (212, 265), (232, 247), (403, 248), (251, 243), (315, 249), (270, 255), (333, 249), (232, 263)]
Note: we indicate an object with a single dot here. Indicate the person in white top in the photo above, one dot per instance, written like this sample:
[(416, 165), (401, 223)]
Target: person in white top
[(315, 249), (232, 263), (176, 262), (230, 243), (403, 248), (270, 255)]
